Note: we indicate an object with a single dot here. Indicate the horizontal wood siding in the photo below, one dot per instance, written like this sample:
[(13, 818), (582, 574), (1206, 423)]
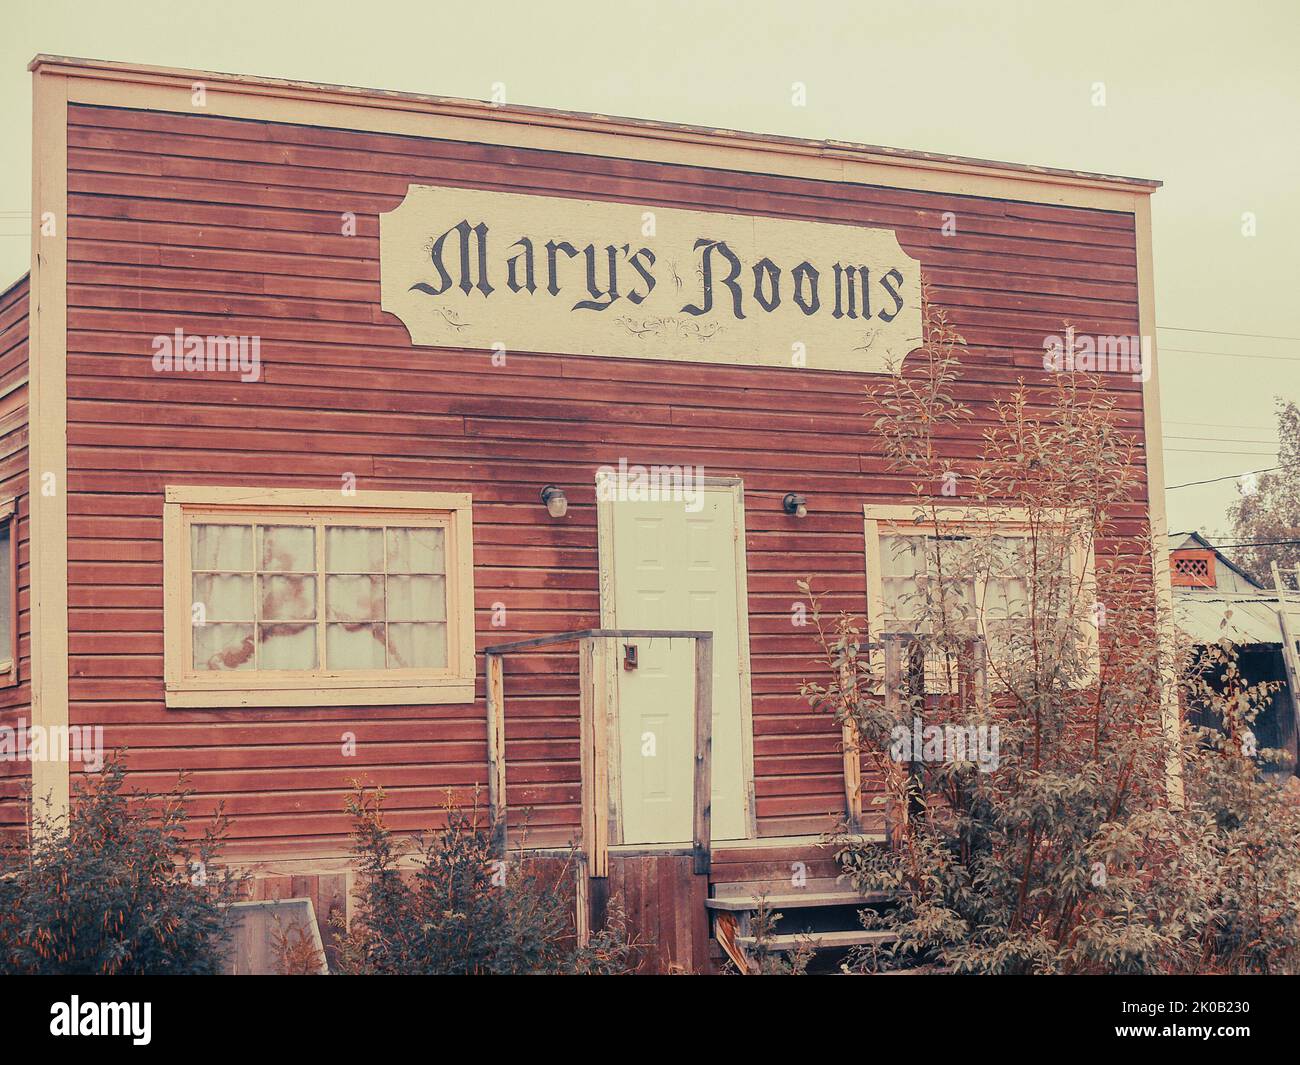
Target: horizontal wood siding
[(15, 700), (224, 226)]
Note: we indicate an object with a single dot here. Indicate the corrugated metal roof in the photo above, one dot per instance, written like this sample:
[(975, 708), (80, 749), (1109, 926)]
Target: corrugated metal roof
[(1250, 619)]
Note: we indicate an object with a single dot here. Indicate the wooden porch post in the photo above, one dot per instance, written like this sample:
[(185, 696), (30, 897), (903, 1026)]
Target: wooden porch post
[(496, 744), (594, 755), (850, 742), (703, 829)]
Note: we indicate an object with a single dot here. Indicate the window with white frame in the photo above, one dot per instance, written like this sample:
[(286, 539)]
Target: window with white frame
[(984, 561), (317, 598)]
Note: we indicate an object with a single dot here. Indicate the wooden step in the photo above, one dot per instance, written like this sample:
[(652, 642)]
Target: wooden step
[(821, 940), (797, 900), (780, 885), (784, 848)]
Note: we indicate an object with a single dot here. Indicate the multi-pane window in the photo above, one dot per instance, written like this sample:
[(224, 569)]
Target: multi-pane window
[(301, 597), (986, 580), (284, 597), (992, 584), (912, 570)]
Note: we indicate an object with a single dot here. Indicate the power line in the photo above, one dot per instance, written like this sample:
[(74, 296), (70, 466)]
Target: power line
[(1226, 333), (1259, 543), (1218, 451), (1236, 355), (1214, 425), (1230, 477), (1222, 440)]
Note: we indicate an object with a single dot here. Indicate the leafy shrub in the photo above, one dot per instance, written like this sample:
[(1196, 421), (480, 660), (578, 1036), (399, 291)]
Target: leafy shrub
[(293, 948), (117, 888), (459, 908), (1102, 839), (768, 960), (1242, 858)]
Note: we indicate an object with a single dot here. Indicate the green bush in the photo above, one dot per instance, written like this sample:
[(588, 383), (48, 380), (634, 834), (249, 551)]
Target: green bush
[(118, 888), (460, 908)]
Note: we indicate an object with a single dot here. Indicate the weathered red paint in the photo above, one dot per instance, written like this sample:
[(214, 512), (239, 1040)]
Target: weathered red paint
[(15, 700), (233, 227)]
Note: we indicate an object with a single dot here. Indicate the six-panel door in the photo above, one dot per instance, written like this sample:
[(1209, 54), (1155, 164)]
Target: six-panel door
[(676, 566)]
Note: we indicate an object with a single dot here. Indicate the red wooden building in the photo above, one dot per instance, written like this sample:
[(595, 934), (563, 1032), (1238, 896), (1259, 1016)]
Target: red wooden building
[(296, 365)]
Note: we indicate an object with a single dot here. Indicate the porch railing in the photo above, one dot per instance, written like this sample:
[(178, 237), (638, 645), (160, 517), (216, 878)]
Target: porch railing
[(598, 735)]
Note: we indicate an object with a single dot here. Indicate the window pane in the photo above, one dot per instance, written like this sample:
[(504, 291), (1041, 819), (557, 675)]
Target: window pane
[(224, 596), (223, 647), (900, 556), (417, 646), (287, 646), (222, 547), (354, 598), (288, 598), (1008, 556), (287, 548), (900, 560), (1011, 580), (956, 558), (354, 646), (953, 565), (1006, 598), (417, 598), (902, 601), (352, 550), (416, 551), (910, 569)]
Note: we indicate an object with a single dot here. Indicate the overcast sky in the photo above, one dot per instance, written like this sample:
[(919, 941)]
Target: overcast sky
[(1204, 96)]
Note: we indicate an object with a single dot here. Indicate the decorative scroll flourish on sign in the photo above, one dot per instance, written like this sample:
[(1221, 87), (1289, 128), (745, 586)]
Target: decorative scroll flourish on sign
[(470, 269)]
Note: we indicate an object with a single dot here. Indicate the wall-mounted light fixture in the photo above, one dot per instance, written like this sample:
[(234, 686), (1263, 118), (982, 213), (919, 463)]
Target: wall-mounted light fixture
[(557, 503), (795, 504)]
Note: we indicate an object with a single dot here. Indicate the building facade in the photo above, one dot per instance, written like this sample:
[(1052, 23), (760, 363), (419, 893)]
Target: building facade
[(297, 363)]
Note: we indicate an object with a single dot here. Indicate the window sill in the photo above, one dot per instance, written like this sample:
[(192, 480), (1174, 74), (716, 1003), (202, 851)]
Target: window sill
[(456, 690)]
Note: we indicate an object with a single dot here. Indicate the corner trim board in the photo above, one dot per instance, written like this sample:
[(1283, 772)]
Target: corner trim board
[(47, 468)]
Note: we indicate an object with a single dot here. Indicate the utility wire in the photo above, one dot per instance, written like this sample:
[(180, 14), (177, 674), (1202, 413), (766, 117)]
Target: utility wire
[(1212, 425), (1230, 477), (1226, 333), (1236, 355), (1259, 543), (1218, 451), (1222, 439)]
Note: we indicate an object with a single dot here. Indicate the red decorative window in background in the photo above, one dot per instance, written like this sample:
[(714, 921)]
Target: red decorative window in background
[(1193, 569)]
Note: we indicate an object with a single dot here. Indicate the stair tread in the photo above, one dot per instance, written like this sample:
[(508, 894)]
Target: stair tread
[(797, 900), (848, 938)]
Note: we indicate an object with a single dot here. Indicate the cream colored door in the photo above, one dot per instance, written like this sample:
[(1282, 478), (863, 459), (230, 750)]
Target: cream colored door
[(673, 569)]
